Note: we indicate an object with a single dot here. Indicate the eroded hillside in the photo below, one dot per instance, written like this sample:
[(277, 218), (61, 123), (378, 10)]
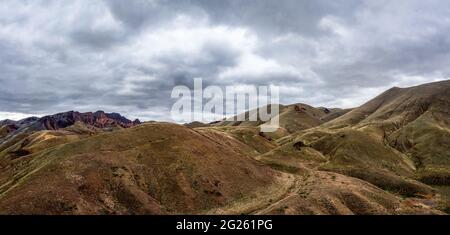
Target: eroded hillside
[(389, 156)]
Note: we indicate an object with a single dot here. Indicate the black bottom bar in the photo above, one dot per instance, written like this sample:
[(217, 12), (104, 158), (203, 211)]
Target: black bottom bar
[(224, 224)]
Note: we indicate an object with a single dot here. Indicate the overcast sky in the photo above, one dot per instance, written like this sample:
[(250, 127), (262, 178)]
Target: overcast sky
[(126, 56)]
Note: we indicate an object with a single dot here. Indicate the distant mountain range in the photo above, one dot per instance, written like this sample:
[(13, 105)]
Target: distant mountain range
[(58, 121), (388, 156)]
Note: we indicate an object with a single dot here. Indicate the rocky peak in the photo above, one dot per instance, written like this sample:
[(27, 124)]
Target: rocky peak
[(98, 119)]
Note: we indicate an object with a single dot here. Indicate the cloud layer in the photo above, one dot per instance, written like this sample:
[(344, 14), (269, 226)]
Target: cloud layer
[(126, 56)]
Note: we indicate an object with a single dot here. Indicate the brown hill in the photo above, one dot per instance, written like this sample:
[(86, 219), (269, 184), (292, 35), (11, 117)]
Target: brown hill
[(415, 121), (292, 118), (152, 168), (399, 106)]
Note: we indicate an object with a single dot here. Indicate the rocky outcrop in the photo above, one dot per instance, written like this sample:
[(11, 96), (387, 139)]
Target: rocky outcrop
[(98, 119), (58, 121)]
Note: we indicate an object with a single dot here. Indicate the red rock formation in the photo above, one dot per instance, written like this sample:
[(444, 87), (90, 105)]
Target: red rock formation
[(98, 119)]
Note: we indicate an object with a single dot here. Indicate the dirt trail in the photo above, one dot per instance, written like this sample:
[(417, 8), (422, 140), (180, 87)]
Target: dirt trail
[(291, 192), (284, 186)]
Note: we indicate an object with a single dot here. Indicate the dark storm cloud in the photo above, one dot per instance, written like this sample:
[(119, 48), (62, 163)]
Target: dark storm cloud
[(96, 39), (141, 13), (126, 56), (276, 17)]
